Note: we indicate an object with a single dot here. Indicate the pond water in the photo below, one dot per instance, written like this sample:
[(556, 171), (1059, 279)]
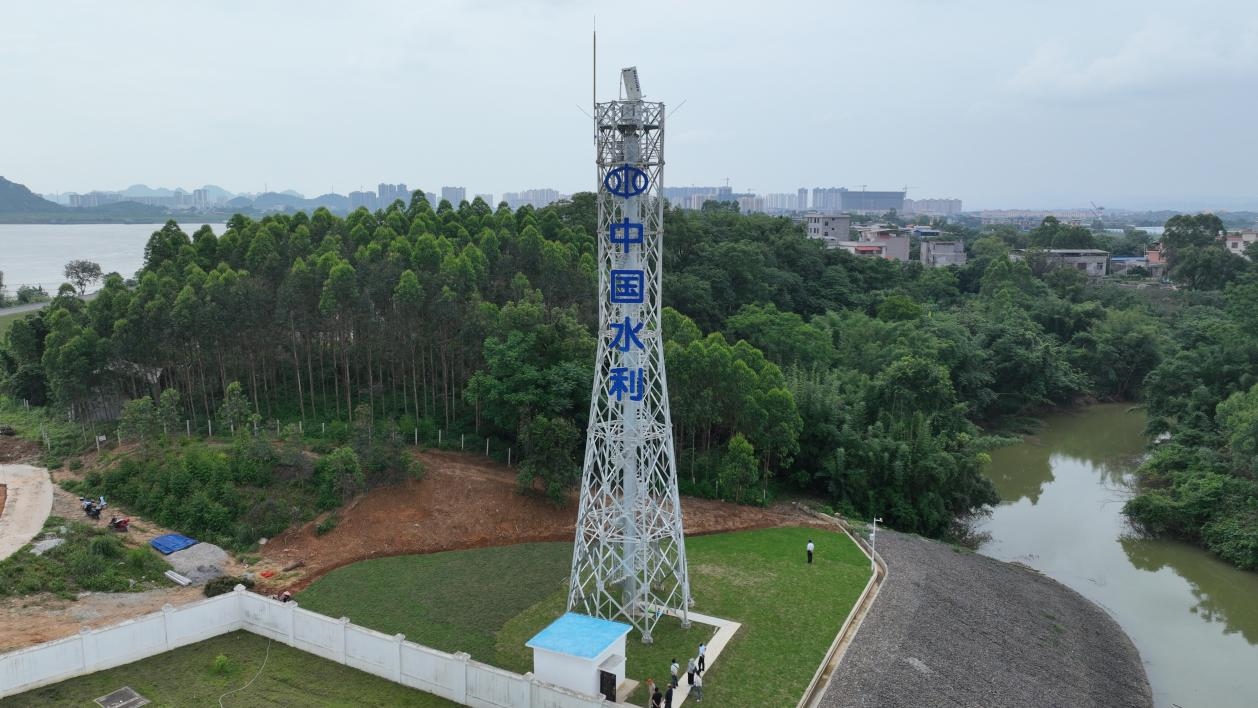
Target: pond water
[(1193, 617)]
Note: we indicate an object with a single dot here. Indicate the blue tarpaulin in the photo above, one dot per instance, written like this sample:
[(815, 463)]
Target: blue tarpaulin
[(172, 542)]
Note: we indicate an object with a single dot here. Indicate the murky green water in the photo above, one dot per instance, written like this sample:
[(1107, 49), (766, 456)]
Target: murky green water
[(1193, 618)]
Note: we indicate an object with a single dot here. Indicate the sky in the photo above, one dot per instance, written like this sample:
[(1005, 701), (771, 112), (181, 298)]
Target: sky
[(1002, 103)]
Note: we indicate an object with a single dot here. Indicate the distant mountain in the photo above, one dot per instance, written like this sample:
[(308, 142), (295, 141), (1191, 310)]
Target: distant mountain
[(333, 201), (217, 193), (293, 193), (16, 197), (277, 200), (143, 190)]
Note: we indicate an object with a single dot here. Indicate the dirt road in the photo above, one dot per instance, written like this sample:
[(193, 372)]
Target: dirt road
[(28, 499)]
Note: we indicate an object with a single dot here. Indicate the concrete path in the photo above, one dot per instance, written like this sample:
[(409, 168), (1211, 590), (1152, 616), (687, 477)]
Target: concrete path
[(725, 630), (28, 503)]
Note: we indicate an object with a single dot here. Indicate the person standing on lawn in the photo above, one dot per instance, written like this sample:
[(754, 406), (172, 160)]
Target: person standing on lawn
[(810, 550), (672, 671), (651, 691), (657, 698)]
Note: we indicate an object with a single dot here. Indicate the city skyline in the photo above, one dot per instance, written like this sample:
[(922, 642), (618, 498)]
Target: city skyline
[(1139, 107)]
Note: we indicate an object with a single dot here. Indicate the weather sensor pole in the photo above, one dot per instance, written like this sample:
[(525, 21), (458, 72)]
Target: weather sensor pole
[(629, 561)]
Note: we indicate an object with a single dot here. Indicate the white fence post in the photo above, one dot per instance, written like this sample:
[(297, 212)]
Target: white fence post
[(460, 691), (89, 649), (397, 657), (342, 650), (167, 610)]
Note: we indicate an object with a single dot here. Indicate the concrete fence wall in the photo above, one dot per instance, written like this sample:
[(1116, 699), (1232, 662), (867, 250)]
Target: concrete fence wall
[(452, 676)]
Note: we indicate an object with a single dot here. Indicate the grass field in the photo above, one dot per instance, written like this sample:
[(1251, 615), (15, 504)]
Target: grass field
[(188, 677), (488, 602)]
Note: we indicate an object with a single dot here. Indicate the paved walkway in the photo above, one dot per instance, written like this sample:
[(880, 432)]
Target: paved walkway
[(725, 630), (26, 507), (954, 628)]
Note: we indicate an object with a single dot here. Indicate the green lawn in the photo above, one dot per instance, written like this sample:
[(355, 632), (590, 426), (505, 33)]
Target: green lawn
[(488, 602), (187, 677)]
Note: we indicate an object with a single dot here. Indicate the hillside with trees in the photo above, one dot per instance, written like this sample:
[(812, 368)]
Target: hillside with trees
[(794, 368), (16, 198)]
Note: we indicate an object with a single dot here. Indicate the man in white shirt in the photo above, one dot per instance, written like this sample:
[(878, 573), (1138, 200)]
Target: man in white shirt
[(703, 651), (673, 670), (810, 550)]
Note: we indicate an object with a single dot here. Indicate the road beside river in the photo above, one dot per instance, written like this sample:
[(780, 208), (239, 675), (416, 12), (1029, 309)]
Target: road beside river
[(954, 628)]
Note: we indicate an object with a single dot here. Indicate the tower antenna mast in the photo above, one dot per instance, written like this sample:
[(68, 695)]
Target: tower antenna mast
[(629, 558)]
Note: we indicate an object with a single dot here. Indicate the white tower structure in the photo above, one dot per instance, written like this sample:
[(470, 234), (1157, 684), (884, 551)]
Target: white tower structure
[(629, 561)]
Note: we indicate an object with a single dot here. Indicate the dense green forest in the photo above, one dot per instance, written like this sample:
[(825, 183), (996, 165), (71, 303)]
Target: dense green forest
[(791, 367), (1201, 481)]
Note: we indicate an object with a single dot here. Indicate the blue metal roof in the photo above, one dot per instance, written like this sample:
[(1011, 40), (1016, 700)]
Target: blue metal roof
[(578, 635)]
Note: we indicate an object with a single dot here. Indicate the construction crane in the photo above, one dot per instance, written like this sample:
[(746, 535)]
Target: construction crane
[(1098, 212)]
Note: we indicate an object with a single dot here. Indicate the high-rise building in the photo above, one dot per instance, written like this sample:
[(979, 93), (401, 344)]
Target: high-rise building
[(388, 193), (932, 207), (536, 198), (432, 199), (836, 199), (363, 199), (750, 203), (801, 199), (454, 195), (487, 198)]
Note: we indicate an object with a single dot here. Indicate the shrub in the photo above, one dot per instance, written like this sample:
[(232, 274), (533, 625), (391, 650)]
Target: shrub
[(225, 584), (105, 547), (326, 525)]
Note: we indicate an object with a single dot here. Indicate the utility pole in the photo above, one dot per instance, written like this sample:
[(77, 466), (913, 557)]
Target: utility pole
[(873, 544)]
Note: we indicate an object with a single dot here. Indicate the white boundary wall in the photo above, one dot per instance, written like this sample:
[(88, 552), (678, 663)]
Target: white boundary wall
[(452, 676)]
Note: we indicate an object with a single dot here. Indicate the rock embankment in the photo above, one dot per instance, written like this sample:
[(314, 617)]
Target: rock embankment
[(953, 628)]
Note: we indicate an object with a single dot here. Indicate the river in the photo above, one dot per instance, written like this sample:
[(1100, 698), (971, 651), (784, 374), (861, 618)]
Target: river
[(36, 254), (1193, 617)]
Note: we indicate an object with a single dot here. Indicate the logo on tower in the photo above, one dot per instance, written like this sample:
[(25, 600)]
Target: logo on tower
[(626, 181)]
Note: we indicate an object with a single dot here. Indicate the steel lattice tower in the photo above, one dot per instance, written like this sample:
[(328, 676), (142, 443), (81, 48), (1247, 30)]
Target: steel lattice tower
[(629, 560)]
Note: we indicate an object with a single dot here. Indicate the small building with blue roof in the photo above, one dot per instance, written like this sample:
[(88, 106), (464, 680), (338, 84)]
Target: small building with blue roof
[(581, 653)]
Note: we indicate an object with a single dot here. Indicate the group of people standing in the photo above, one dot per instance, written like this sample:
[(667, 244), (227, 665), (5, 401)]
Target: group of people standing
[(695, 666)]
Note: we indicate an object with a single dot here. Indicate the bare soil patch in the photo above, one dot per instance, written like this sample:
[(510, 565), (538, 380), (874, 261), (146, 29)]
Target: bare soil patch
[(15, 449), (44, 617), (3, 492), (464, 501)]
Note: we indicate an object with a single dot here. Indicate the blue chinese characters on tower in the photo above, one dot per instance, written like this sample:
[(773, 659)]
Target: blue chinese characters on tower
[(627, 286)]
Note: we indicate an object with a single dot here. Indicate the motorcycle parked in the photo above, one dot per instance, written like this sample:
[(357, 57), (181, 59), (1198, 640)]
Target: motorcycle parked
[(118, 524)]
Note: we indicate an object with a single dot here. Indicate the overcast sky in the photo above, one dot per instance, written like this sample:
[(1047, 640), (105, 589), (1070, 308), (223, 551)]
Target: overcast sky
[(1002, 103)]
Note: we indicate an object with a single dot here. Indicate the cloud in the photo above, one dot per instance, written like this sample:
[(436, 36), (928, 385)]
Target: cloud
[(1161, 56)]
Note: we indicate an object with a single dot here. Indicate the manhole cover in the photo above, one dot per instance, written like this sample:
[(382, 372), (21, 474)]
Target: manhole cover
[(124, 697)]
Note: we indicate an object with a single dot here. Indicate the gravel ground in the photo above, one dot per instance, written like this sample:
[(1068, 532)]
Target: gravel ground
[(953, 628), (200, 563)]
